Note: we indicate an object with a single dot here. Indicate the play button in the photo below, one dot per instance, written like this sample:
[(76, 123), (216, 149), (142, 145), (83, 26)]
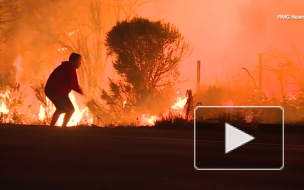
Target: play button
[(235, 138), (238, 138)]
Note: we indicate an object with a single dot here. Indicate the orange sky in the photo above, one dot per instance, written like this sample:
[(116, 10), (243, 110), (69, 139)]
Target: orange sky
[(228, 35)]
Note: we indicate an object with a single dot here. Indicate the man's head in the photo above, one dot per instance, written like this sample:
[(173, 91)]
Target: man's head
[(75, 60)]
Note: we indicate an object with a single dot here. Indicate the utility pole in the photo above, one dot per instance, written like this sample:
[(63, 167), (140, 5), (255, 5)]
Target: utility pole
[(198, 80)]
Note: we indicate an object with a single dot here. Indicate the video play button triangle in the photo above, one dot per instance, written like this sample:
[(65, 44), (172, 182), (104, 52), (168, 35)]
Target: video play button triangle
[(235, 138)]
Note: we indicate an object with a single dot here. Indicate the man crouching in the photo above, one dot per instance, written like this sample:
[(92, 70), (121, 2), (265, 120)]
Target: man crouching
[(60, 83)]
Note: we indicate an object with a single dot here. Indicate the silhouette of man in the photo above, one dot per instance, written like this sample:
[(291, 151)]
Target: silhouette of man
[(60, 83)]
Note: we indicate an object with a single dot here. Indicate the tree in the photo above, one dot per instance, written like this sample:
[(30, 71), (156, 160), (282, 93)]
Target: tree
[(289, 68), (146, 56)]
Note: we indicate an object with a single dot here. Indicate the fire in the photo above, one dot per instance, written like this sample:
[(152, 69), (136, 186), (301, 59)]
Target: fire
[(77, 115), (148, 120), (27, 110), (180, 104), (176, 109), (41, 114), (3, 108)]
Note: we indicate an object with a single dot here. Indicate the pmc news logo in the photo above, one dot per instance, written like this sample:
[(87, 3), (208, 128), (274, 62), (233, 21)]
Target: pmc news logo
[(283, 17), (290, 17)]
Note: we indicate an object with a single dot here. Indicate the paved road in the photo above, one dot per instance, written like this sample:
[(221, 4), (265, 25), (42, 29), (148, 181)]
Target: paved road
[(35, 157)]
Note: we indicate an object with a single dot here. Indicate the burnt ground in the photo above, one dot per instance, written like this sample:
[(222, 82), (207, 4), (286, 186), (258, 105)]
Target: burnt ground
[(40, 157)]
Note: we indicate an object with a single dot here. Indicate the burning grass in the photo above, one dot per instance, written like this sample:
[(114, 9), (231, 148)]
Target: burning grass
[(19, 105)]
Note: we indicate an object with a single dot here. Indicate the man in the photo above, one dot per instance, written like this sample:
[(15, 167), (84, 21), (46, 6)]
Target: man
[(60, 83)]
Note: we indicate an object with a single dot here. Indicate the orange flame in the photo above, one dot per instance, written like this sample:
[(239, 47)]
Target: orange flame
[(41, 114), (177, 107), (148, 120), (77, 115), (3, 108)]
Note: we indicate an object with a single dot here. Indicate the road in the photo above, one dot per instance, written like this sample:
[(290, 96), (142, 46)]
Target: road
[(40, 157)]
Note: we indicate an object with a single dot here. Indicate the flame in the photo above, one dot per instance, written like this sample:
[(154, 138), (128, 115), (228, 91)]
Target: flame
[(147, 120), (60, 120), (177, 109), (77, 115), (33, 112), (41, 114), (3, 108), (180, 104)]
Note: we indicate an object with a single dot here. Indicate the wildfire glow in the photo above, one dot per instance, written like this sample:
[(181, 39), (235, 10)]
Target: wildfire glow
[(3, 108), (77, 115), (176, 109), (148, 120), (41, 114), (17, 64), (180, 104), (228, 103)]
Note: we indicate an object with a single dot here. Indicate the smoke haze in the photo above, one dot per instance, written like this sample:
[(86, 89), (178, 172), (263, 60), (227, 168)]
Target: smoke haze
[(224, 35)]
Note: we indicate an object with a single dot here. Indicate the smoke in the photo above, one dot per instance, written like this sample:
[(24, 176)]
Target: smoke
[(31, 38), (46, 32), (229, 35), (225, 36)]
